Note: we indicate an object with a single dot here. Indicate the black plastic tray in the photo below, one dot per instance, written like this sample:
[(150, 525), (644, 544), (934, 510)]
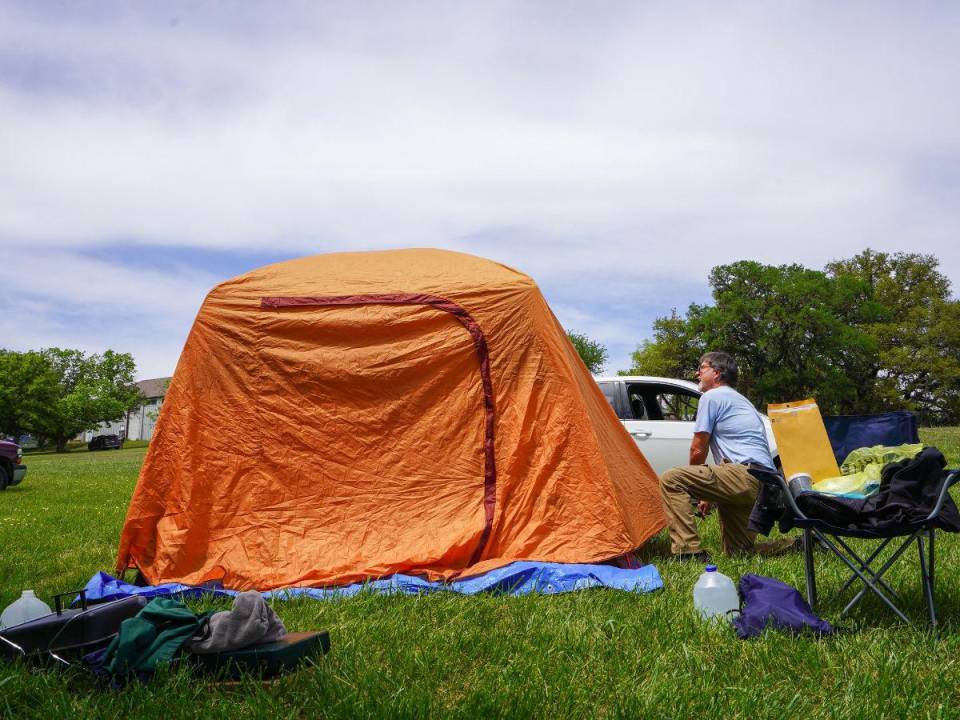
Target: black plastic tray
[(71, 631), (267, 660)]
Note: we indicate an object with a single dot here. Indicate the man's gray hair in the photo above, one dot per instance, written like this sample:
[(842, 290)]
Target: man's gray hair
[(725, 366)]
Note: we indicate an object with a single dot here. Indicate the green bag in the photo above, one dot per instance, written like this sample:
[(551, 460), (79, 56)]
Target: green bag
[(153, 637)]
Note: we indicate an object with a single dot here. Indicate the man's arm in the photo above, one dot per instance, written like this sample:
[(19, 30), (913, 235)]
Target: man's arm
[(698, 456), (699, 448)]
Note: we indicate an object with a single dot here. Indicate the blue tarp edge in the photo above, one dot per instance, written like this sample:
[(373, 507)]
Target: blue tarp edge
[(518, 578)]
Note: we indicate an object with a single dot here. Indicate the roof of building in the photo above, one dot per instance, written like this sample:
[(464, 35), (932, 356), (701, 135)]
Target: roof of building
[(155, 387)]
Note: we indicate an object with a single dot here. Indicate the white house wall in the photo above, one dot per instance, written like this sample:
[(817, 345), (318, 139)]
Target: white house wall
[(137, 425)]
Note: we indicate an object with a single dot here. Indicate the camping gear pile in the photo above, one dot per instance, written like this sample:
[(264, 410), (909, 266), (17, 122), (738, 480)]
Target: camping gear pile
[(132, 637), (911, 502)]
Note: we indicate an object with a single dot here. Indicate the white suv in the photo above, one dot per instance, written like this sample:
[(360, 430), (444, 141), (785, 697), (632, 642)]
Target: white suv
[(659, 413)]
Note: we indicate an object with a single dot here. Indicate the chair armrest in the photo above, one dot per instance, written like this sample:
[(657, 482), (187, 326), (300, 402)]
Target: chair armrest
[(778, 480), (951, 478)]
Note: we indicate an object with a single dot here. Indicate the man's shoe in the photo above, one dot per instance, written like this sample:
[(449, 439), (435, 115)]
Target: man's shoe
[(780, 546), (698, 557)]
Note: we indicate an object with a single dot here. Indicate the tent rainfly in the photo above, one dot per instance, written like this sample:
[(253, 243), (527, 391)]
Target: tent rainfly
[(354, 415)]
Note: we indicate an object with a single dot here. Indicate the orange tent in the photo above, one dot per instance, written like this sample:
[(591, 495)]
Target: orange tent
[(354, 415)]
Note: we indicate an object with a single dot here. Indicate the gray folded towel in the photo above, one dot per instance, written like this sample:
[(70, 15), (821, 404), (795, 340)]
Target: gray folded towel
[(250, 622)]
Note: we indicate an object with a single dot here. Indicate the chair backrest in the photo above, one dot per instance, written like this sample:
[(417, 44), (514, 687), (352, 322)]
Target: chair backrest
[(802, 439), (849, 432)]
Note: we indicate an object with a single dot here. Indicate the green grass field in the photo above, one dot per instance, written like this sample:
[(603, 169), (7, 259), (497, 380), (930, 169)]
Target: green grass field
[(586, 654)]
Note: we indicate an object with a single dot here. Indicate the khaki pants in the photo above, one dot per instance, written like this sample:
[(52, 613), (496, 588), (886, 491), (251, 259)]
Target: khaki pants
[(729, 485)]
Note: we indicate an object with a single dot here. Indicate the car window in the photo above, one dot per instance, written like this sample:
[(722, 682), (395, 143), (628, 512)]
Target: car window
[(637, 409), (643, 403), (677, 406), (609, 391)]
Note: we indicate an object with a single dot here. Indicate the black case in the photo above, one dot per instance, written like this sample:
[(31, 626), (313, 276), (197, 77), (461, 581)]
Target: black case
[(267, 660), (71, 632)]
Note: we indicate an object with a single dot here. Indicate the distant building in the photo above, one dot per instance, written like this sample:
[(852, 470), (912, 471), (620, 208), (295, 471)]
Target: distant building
[(137, 424), (141, 420)]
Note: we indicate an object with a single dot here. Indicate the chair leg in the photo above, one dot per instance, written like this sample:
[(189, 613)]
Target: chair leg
[(808, 541), (930, 564), (926, 579), (865, 565), (878, 575), (866, 580)]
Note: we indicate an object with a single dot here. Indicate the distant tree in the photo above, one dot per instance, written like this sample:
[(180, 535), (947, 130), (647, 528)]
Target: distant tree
[(90, 389), (593, 353), (28, 386), (917, 333), (900, 282), (673, 351), (921, 363), (795, 332), (877, 331)]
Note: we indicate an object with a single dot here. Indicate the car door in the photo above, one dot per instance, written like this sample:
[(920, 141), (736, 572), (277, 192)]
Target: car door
[(661, 422)]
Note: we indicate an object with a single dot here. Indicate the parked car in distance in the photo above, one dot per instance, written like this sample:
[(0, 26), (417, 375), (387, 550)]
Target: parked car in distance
[(105, 442), (659, 414), (12, 471)]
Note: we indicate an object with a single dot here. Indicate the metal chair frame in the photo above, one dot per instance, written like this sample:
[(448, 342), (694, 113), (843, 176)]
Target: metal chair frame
[(831, 537)]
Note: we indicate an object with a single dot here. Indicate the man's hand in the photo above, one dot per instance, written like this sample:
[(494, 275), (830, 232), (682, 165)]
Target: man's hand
[(704, 508)]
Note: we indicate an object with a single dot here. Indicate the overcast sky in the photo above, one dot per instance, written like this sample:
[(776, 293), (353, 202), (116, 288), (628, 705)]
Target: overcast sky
[(613, 151)]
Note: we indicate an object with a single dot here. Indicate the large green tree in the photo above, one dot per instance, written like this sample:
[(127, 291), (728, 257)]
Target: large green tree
[(874, 332), (593, 353), (89, 389), (795, 332), (28, 386)]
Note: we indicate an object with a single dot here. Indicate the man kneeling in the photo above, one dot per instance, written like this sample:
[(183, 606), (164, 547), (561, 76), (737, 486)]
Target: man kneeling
[(731, 427)]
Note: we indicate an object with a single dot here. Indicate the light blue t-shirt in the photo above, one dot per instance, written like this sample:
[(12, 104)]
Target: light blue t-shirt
[(736, 430)]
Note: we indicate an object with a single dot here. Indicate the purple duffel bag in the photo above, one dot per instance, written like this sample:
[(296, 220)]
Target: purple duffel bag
[(770, 603)]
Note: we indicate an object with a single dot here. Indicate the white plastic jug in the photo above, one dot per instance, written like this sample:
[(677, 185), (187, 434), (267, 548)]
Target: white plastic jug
[(28, 607), (715, 595)]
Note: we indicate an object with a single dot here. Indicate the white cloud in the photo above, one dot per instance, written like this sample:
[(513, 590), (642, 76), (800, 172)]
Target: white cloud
[(58, 298), (64, 277), (647, 142)]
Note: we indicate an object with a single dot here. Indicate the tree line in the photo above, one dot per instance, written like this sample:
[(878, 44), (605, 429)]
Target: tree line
[(875, 332), (55, 394)]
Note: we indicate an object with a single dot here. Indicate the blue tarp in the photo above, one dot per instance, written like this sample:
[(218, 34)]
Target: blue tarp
[(519, 578), (849, 432)]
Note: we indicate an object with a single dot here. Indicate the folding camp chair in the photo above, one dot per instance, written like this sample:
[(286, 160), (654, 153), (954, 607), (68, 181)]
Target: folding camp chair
[(832, 537)]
